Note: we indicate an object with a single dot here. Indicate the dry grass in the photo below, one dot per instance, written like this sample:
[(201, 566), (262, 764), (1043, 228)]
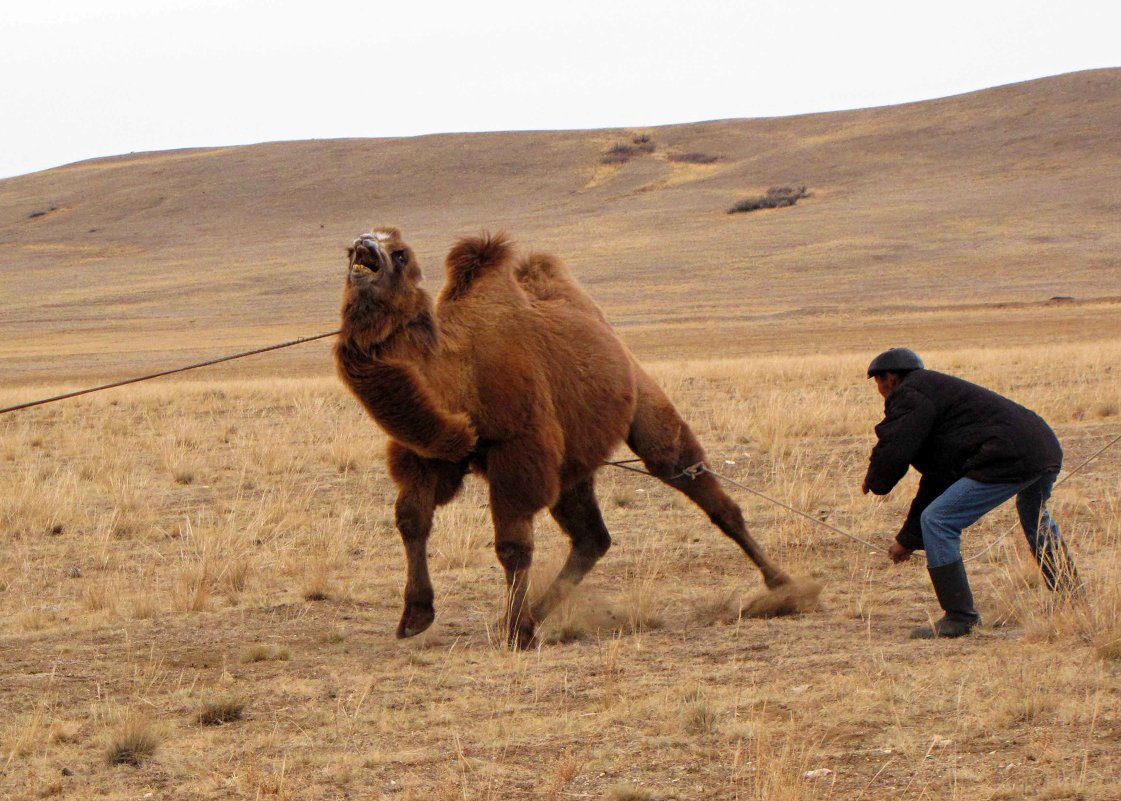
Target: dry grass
[(218, 711), (133, 742), (276, 576)]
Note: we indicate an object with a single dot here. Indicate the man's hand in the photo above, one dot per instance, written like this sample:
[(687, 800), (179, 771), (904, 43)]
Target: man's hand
[(898, 553)]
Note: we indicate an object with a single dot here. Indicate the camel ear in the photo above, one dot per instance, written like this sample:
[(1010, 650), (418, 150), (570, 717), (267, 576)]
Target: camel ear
[(387, 233)]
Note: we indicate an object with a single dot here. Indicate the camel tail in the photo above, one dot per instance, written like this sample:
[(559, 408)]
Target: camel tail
[(472, 257)]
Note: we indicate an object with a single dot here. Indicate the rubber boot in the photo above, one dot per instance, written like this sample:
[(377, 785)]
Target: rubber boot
[(954, 596)]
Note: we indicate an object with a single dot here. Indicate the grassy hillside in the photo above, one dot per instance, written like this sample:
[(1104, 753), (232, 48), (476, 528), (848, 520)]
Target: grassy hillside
[(1006, 196)]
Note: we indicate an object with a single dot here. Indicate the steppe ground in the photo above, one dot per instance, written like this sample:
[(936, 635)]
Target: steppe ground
[(222, 552), (199, 575)]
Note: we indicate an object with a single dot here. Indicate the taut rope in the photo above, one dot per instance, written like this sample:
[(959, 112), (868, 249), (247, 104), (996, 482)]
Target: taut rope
[(700, 467), (219, 360)]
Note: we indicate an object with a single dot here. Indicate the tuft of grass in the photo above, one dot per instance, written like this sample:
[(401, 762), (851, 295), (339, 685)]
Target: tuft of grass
[(316, 590), (1108, 647), (266, 653), (192, 591), (700, 716), (775, 198), (567, 631), (132, 743), (99, 597), (720, 609), (219, 711)]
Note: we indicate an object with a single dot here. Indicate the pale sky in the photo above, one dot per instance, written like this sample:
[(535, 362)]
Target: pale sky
[(86, 78)]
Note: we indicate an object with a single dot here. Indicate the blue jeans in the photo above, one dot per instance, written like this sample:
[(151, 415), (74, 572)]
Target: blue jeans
[(967, 501)]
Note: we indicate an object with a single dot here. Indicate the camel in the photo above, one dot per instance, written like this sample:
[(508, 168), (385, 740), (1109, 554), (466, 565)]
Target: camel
[(513, 373)]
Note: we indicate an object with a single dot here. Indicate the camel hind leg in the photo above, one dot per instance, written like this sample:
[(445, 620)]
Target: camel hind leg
[(423, 485), (577, 513), (667, 446)]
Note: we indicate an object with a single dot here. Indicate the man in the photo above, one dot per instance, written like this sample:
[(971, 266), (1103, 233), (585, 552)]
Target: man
[(975, 449)]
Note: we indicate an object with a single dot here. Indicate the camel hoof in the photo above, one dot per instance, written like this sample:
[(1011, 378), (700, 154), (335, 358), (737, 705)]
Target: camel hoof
[(791, 598), (779, 579), (414, 621), (522, 639)]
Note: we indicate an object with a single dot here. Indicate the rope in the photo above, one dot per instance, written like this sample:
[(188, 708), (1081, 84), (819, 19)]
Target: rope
[(692, 471), (219, 360), (700, 467)]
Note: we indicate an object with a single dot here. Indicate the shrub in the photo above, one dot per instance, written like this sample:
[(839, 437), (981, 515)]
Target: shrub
[(776, 197), (693, 158), (222, 710), (619, 154), (623, 152)]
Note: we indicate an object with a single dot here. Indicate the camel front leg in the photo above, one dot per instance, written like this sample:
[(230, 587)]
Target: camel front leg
[(513, 542), (423, 485), (415, 505), (523, 478)]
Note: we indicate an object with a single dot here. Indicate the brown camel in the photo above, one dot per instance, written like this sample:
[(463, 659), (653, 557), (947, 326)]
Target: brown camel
[(513, 373)]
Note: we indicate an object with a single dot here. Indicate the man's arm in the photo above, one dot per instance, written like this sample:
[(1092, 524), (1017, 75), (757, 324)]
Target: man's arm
[(908, 420), (910, 535)]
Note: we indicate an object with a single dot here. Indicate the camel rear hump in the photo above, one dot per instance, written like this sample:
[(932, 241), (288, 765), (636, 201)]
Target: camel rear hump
[(546, 277), (473, 257)]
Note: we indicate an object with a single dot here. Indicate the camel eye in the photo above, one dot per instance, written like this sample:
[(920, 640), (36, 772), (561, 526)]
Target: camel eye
[(400, 258)]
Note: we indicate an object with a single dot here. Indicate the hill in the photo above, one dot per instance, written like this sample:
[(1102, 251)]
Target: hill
[(945, 222), (200, 580)]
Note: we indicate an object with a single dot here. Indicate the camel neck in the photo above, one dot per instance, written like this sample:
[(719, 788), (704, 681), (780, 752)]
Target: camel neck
[(377, 329)]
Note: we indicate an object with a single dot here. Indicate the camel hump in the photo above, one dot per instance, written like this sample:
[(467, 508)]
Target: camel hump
[(544, 277), (472, 257)]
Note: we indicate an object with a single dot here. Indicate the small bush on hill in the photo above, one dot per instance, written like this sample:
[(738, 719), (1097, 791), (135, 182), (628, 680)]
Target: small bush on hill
[(776, 197), (623, 152), (693, 158)]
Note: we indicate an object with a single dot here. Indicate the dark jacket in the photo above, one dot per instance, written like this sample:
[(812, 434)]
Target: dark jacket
[(948, 429)]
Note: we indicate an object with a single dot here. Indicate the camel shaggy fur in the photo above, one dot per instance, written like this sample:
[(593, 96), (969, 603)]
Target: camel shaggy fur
[(513, 373)]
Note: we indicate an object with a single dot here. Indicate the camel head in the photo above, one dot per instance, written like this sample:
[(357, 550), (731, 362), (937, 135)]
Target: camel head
[(383, 293), (380, 263)]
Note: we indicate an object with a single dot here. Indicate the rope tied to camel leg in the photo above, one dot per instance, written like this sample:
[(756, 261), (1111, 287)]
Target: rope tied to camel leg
[(692, 471)]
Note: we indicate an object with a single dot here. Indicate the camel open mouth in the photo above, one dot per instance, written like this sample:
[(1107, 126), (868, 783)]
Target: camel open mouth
[(366, 253)]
